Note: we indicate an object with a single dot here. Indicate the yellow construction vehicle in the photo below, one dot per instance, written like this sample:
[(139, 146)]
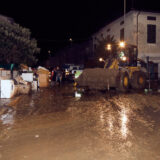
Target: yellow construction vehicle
[(120, 72)]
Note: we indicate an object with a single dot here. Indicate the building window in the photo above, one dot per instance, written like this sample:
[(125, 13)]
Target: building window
[(122, 34), (122, 22), (108, 30), (151, 18), (151, 33)]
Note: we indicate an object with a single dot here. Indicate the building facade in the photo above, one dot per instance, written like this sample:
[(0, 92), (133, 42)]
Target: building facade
[(137, 28)]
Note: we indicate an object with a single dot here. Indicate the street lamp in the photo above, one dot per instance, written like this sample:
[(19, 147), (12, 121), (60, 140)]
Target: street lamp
[(122, 44), (124, 58), (70, 39), (49, 52), (109, 47), (101, 60)]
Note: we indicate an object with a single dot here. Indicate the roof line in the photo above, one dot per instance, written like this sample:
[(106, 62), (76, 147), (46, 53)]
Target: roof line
[(132, 10)]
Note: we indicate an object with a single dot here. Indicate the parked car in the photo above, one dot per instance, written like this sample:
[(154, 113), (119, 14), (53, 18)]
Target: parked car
[(72, 71)]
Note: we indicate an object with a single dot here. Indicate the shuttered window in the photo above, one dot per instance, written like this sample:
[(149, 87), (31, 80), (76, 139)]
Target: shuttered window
[(151, 18), (122, 34), (151, 33)]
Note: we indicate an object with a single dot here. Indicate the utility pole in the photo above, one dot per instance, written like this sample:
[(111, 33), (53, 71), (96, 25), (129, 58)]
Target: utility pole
[(124, 18), (124, 10), (124, 22)]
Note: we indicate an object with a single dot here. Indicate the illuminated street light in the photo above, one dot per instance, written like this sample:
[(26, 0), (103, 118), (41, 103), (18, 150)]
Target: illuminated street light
[(70, 39), (124, 58), (109, 47), (101, 60), (122, 44)]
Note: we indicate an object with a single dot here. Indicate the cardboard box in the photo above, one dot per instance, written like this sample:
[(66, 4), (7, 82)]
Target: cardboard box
[(43, 80), (44, 84)]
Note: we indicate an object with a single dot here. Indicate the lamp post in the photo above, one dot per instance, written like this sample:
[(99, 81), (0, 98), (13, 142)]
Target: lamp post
[(109, 47), (101, 60), (124, 18), (49, 52), (70, 40), (122, 44), (124, 10)]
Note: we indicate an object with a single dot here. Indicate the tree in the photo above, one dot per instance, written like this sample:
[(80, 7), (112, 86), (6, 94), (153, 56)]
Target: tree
[(102, 51), (16, 44)]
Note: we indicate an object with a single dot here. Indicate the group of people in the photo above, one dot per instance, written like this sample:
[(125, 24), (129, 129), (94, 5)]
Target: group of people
[(56, 76)]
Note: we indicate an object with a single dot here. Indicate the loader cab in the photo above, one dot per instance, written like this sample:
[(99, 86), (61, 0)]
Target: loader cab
[(127, 56)]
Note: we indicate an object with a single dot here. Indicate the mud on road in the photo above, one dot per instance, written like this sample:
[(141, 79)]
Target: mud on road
[(54, 124)]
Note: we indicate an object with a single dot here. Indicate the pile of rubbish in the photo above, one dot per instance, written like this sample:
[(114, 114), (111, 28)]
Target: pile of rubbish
[(22, 81)]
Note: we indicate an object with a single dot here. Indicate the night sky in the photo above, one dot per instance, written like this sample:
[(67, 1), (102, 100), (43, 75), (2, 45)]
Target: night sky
[(52, 23)]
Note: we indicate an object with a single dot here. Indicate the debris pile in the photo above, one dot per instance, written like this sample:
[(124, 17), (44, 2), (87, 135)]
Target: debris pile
[(23, 80)]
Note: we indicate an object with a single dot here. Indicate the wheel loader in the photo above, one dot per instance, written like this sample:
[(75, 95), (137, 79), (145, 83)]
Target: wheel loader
[(121, 73)]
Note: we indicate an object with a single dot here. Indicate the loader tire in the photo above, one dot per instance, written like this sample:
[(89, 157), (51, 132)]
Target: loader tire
[(138, 80), (123, 82)]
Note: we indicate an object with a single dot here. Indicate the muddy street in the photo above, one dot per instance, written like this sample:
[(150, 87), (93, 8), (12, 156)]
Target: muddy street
[(54, 124)]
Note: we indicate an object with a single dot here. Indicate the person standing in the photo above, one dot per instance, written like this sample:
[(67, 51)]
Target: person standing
[(53, 76), (58, 76)]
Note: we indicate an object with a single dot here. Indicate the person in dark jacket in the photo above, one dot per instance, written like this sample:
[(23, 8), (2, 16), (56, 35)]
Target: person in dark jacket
[(53, 77), (54, 74), (58, 76)]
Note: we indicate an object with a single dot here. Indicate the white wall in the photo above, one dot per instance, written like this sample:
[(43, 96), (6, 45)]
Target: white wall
[(115, 28), (148, 49), (130, 33), (130, 26)]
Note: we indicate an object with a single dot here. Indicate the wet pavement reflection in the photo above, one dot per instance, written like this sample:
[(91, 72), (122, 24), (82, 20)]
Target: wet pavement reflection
[(59, 123)]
